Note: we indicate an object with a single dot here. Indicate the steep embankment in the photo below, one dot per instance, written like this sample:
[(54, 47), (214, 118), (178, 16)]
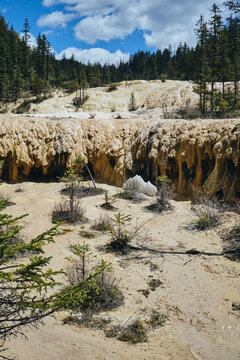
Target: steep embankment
[(202, 152)]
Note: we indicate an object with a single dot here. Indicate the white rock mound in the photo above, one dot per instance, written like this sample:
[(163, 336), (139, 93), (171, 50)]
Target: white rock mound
[(137, 183)]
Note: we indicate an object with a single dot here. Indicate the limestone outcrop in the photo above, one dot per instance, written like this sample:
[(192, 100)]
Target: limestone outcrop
[(200, 152)]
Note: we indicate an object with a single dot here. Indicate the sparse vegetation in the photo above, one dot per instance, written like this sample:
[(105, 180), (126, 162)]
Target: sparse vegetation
[(112, 87), (136, 331), (133, 333), (122, 235), (132, 103), (131, 194), (156, 319), (80, 161), (236, 306), (145, 292), (68, 212), (87, 321), (4, 199), (23, 108), (163, 196), (74, 180), (19, 189), (103, 223), (78, 101), (131, 191), (108, 200), (207, 209), (163, 77), (102, 292), (87, 234), (231, 238), (154, 284)]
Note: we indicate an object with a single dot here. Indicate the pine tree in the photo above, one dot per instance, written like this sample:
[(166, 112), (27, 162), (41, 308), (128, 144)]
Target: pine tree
[(224, 70), (233, 6), (4, 58), (24, 284), (234, 45), (214, 47), (202, 58)]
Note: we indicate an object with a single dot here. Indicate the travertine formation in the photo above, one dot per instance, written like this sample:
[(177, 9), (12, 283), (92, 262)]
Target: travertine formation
[(200, 152), (167, 96)]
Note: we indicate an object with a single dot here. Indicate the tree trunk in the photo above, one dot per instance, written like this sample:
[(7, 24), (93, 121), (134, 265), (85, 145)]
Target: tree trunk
[(89, 172)]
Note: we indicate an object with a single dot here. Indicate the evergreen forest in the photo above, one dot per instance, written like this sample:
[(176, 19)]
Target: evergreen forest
[(27, 71)]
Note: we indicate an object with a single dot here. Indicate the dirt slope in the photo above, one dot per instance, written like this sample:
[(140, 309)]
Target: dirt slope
[(196, 295)]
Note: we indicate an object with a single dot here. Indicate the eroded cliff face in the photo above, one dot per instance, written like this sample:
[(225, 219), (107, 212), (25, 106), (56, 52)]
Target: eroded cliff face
[(202, 152)]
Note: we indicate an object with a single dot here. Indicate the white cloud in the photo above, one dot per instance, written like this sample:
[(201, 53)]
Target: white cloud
[(94, 55), (98, 27), (55, 19), (32, 41), (161, 21)]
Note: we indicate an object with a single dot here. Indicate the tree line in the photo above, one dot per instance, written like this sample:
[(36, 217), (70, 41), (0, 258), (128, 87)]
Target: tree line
[(26, 70)]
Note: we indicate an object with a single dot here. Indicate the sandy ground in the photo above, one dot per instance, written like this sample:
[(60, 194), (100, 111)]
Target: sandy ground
[(196, 295)]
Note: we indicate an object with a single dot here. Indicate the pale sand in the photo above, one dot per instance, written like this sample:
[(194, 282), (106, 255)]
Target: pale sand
[(197, 292)]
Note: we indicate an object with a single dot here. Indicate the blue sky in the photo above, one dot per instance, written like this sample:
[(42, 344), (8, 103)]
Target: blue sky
[(107, 30)]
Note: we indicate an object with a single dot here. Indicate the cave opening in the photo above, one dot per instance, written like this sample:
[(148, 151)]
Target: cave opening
[(172, 171), (5, 171), (36, 174), (189, 174), (112, 161), (86, 175), (207, 167)]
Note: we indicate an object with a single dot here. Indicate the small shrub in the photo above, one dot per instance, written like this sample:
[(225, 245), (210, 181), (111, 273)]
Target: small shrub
[(132, 195), (132, 103), (121, 235), (112, 87), (68, 212), (103, 223), (23, 108), (87, 234), (78, 101), (207, 209), (108, 199), (5, 199), (163, 77), (81, 191), (154, 284), (131, 190), (156, 319), (102, 292), (119, 117), (188, 113), (133, 333), (19, 189), (163, 196), (145, 292), (232, 243), (87, 321), (236, 306), (205, 221), (136, 331)]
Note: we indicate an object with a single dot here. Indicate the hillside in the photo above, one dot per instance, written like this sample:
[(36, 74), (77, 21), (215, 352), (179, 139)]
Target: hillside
[(170, 95)]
